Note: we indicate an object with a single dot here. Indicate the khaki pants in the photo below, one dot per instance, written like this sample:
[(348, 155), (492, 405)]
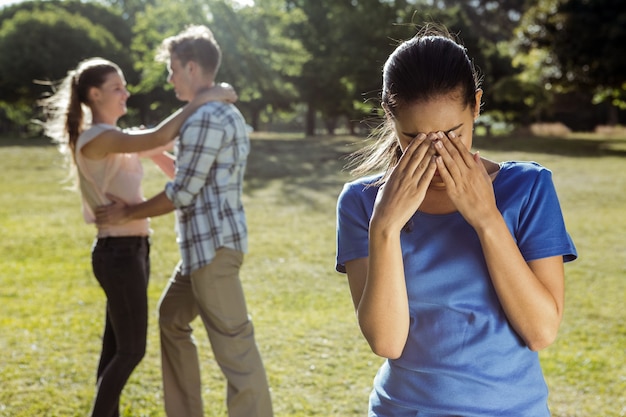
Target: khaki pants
[(215, 293)]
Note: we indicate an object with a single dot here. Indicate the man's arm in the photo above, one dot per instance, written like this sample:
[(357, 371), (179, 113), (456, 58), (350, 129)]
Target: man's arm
[(119, 212)]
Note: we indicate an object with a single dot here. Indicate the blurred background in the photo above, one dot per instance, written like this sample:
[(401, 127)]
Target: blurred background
[(315, 66)]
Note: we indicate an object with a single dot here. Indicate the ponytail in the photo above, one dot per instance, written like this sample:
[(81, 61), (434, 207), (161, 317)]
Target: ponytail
[(74, 115), (67, 109)]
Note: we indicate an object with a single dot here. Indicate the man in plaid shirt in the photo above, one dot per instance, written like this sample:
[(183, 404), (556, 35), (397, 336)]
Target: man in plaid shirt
[(211, 154)]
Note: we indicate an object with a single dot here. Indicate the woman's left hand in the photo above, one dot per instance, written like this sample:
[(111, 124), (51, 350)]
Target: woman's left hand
[(466, 179), (224, 92)]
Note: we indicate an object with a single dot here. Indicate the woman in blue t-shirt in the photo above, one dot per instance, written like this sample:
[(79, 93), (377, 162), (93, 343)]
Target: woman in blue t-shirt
[(455, 262)]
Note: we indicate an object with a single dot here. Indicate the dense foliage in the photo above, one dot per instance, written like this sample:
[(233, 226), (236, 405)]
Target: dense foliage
[(312, 64)]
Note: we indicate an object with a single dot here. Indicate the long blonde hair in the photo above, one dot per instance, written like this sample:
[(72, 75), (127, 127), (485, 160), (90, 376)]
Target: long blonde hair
[(67, 111)]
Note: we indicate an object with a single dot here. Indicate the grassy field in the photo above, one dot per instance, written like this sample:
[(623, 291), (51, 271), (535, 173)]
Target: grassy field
[(52, 309)]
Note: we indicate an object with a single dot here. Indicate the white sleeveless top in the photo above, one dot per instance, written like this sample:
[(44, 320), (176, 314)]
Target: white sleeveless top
[(119, 174)]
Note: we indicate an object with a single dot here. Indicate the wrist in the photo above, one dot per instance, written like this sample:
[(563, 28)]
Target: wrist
[(128, 213), (384, 226), (490, 225), (383, 232)]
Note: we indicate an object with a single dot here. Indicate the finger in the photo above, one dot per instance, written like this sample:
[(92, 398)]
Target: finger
[(478, 161), (407, 153), (430, 170), (115, 199), (444, 173), (100, 217), (460, 147), (448, 156), (417, 155), (481, 166), (414, 145), (455, 155)]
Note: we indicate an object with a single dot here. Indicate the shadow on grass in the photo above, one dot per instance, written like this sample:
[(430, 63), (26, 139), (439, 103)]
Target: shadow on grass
[(308, 168), (318, 158), (581, 146), (303, 166), (7, 141)]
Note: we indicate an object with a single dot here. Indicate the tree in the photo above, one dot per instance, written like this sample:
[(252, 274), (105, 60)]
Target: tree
[(584, 44), (261, 56), (57, 40), (348, 42), (152, 95), (94, 12), (369, 36), (130, 8), (492, 20)]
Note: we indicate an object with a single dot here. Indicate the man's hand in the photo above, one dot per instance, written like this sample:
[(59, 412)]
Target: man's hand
[(112, 214)]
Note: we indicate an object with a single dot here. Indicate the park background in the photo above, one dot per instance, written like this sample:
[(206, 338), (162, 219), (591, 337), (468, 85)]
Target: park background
[(308, 78)]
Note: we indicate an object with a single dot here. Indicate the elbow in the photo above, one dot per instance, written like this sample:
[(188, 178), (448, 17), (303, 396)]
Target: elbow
[(542, 339), (540, 343), (386, 350), (386, 334), (385, 344)]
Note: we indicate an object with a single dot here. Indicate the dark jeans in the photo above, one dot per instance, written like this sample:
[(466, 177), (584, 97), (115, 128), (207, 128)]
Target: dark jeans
[(122, 267)]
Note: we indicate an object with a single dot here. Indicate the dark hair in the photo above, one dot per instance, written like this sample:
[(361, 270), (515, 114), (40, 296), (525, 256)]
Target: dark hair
[(427, 67), (197, 44), (430, 65), (65, 109)]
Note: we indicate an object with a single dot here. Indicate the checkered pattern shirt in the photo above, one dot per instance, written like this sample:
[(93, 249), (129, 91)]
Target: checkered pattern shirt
[(211, 154)]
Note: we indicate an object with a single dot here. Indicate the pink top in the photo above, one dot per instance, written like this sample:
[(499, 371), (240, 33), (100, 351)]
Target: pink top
[(119, 174)]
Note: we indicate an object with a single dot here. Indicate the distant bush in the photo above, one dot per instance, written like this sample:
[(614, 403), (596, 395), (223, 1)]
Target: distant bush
[(617, 130), (550, 129)]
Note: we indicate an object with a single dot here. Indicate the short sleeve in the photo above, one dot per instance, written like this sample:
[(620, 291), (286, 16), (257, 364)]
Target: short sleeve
[(354, 209), (542, 232)]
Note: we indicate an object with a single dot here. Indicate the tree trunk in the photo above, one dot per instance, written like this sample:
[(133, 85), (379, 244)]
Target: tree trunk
[(331, 125), (613, 115), (310, 120), (352, 127), (255, 116)]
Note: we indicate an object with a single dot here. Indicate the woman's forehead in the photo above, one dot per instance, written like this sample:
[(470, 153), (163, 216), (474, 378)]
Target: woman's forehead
[(443, 113)]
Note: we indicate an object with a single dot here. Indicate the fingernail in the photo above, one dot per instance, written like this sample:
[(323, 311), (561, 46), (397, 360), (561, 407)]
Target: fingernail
[(452, 135)]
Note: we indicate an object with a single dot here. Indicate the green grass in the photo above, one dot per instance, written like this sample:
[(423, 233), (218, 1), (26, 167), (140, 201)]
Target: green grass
[(51, 308)]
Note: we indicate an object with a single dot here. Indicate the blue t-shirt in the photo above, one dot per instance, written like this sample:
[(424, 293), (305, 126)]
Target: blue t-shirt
[(462, 357)]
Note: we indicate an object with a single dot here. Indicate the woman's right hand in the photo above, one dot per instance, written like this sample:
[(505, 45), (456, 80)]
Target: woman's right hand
[(219, 92), (403, 192), (377, 282)]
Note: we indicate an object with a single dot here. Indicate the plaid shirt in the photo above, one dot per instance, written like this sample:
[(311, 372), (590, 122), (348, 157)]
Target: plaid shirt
[(211, 154)]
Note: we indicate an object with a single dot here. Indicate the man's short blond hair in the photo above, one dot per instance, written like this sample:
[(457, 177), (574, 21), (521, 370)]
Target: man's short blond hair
[(196, 43)]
